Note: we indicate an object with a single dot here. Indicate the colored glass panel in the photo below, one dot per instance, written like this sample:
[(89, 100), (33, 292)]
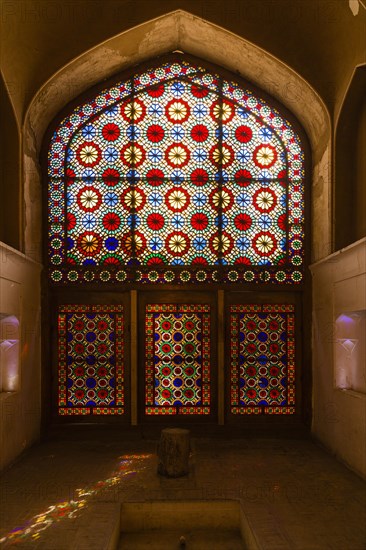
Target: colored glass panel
[(177, 359), (91, 372), (176, 167), (262, 359)]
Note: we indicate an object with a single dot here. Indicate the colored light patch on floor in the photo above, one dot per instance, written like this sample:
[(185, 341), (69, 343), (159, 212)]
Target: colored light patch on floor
[(129, 465)]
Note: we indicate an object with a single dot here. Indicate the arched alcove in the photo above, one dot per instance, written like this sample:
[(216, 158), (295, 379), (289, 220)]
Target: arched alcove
[(350, 165), (178, 31), (177, 140), (9, 353), (9, 172)]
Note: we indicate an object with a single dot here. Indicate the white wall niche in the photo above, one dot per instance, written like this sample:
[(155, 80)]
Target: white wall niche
[(350, 351), (9, 353)]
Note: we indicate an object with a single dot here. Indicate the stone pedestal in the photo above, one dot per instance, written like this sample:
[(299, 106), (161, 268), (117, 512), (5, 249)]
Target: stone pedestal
[(173, 452)]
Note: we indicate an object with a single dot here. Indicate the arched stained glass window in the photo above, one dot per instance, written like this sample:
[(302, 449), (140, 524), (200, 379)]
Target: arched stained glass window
[(176, 174)]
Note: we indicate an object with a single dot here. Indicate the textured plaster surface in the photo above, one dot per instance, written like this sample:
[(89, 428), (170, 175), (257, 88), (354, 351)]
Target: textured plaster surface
[(321, 210), (20, 410), (180, 30), (32, 194), (321, 40), (339, 416)]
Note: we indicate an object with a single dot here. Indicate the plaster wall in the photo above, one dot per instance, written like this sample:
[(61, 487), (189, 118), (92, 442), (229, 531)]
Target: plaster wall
[(350, 164), (10, 189), (320, 39), (20, 410), (339, 416)]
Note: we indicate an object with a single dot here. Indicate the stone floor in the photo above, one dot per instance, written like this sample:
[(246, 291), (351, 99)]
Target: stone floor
[(295, 495)]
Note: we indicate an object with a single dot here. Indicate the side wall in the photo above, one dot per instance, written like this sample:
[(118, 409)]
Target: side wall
[(10, 204), (339, 415), (20, 293), (20, 410), (339, 286)]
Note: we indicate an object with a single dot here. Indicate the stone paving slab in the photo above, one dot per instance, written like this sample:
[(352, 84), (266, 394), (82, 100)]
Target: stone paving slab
[(295, 495)]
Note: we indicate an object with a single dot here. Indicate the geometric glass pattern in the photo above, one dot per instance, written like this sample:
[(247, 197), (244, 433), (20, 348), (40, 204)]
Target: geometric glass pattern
[(177, 361), (176, 168), (262, 373), (90, 351)]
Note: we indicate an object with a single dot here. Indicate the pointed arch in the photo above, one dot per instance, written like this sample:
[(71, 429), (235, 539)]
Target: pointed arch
[(250, 200), (177, 30)]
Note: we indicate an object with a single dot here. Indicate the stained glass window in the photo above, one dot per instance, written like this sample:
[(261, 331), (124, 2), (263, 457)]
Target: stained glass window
[(91, 371), (177, 376), (262, 359), (176, 174)]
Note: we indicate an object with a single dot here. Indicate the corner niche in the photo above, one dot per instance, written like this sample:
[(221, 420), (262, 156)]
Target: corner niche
[(350, 351), (9, 353)]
